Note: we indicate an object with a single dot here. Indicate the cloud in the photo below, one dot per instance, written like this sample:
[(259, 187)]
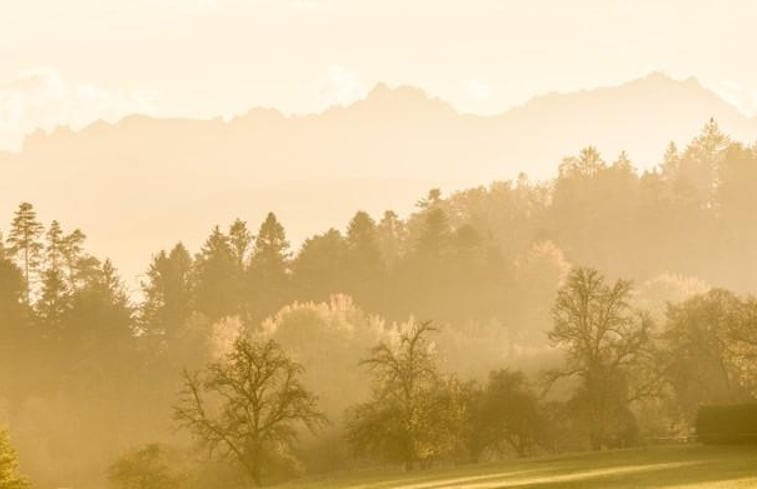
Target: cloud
[(309, 5), (192, 5), (208, 5), (341, 86), (477, 90), (41, 98)]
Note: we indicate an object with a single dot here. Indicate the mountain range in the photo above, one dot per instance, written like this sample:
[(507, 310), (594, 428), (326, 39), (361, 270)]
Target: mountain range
[(143, 183)]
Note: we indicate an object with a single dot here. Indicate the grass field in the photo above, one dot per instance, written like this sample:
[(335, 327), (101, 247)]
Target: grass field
[(669, 467)]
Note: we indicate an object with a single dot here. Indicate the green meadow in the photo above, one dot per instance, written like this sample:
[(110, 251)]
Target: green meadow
[(657, 467)]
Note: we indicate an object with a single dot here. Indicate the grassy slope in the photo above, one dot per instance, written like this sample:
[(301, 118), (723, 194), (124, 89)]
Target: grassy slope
[(668, 467)]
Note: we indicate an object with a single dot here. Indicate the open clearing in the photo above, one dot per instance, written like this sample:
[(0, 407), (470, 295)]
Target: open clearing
[(669, 467)]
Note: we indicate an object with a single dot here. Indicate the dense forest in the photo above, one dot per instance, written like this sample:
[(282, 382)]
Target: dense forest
[(596, 310)]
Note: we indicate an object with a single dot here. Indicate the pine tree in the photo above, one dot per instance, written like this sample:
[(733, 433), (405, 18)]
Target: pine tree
[(217, 283), (588, 163), (391, 233), (700, 165), (25, 244), (362, 243), (365, 265), (435, 235), (319, 271), (240, 240), (97, 337), (670, 159), (14, 332), (431, 200), (623, 163), (3, 252), (79, 266), (52, 302), (269, 269), (11, 286), (111, 284), (168, 292), (55, 249), (9, 474), (270, 259)]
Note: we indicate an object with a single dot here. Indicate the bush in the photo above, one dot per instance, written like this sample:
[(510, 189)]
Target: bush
[(727, 424), (148, 467)]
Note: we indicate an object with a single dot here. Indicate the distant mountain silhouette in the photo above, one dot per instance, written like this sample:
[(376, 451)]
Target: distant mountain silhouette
[(142, 183)]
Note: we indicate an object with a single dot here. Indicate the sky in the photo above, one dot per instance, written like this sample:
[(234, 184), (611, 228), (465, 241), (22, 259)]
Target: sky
[(75, 61)]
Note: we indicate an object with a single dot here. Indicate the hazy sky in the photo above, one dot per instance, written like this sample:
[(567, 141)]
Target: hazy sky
[(74, 61)]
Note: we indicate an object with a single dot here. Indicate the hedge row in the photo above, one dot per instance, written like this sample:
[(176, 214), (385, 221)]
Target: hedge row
[(727, 423)]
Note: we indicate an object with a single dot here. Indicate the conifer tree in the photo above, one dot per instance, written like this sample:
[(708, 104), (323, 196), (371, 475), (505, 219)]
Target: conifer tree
[(55, 248), (52, 302), (168, 292), (270, 259), (14, 328), (217, 283), (435, 235), (25, 244), (365, 265), (362, 241), (78, 264), (240, 240), (700, 164), (3, 252), (269, 270), (318, 270), (391, 233), (10, 478)]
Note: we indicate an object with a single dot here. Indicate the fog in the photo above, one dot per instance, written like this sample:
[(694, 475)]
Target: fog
[(454, 333)]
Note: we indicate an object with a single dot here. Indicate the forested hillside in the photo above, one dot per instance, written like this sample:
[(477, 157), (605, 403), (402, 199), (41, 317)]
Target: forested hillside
[(142, 183), (486, 298)]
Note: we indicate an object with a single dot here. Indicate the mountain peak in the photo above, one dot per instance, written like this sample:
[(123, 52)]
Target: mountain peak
[(260, 115), (657, 76), (382, 90), (661, 79), (384, 98)]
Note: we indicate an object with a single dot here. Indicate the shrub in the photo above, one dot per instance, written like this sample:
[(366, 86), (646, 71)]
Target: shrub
[(727, 424)]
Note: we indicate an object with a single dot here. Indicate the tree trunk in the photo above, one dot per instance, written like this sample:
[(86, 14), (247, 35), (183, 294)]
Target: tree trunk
[(257, 479), (255, 474), (595, 441)]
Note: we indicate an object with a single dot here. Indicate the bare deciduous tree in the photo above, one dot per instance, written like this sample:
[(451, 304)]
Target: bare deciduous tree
[(412, 414), (608, 346), (249, 406)]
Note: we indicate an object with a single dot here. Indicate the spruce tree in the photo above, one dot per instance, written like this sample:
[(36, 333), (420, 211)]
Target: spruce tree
[(365, 265), (269, 270), (391, 233), (270, 259), (168, 293), (217, 285), (240, 240), (435, 234), (318, 270)]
